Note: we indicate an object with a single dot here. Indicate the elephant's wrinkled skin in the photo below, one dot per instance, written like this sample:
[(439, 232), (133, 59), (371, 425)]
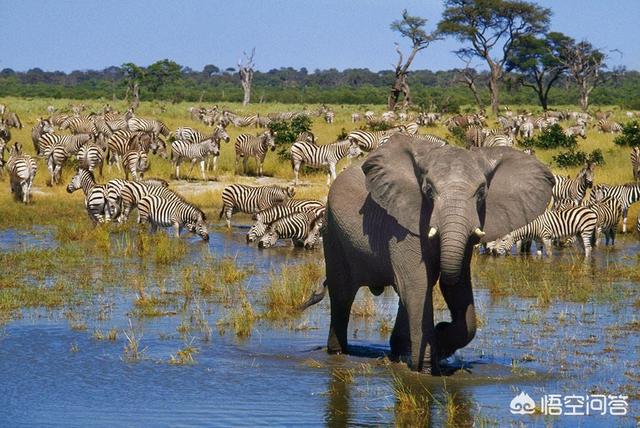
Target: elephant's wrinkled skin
[(410, 215)]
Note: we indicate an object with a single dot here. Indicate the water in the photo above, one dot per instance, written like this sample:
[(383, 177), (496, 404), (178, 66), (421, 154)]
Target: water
[(54, 373)]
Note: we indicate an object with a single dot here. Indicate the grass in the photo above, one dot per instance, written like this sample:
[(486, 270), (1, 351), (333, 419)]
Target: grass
[(290, 288), (132, 351), (411, 409), (184, 356), (110, 335), (364, 307)]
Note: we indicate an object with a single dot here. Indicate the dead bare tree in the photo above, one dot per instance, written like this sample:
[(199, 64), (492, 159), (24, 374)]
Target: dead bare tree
[(246, 75), (468, 76), (585, 64), (412, 28)]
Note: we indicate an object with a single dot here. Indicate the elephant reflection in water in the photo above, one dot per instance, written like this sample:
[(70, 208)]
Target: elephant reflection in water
[(408, 217)]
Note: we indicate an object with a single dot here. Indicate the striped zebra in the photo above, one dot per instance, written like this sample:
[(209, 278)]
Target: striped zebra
[(253, 146), (251, 199), (578, 130), (329, 116), (42, 127), (355, 117), (71, 143), (176, 212), (65, 147), (608, 212), (410, 129), (22, 170), (265, 218), (79, 124), (605, 125), (194, 152), (429, 138), (369, 115), (635, 163), (626, 195), (135, 162), (194, 136), (303, 228), (497, 140), (152, 126), (573, 189), (370, 140), (123, 196), (316, 156), (95, 195), (577, 221), (12, 120), (122, 141), (243, 121)]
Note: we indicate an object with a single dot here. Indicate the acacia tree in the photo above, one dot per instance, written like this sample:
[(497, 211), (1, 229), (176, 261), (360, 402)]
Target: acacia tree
[(538, 62), (491, 27), (133, 75), (245, 69), (585, 64), (468, 76), (411, 27)]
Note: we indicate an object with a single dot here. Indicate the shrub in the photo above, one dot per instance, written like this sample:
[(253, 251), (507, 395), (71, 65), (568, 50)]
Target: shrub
[(377, 125), (630, 135), (551, 138), (574, 157), (286, 133)]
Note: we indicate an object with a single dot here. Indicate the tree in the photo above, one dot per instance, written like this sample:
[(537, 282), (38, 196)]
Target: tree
[(133, 75), (411, 27), (161, 73), (210, 70), (491, 27), (246, 75), (585, 64), (468, 76), (537, 59)]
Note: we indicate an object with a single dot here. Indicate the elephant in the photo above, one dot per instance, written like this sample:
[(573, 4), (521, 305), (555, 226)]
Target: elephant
[(410, 215)]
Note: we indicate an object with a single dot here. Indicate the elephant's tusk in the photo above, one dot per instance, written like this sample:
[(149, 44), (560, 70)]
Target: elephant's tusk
[(432, 232), (479, 233)]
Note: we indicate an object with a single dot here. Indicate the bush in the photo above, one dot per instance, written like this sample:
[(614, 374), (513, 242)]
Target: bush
[(377, 125), (551, 138), (577, 158), (630, 135), (286, 133)]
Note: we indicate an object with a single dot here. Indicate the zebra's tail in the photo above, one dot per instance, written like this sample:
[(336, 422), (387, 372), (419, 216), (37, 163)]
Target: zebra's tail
[(316, 297)]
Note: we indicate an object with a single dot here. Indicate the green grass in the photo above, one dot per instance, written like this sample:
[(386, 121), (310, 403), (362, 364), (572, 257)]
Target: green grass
[(290, 288)]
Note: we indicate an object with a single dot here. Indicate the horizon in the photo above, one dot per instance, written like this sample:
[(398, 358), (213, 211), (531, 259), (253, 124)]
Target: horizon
[(53, 44)]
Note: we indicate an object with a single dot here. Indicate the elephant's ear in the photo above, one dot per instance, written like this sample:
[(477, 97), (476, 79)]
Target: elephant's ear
[(393, 179), (519, 189)]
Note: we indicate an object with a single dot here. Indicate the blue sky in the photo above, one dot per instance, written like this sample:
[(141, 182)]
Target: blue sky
[(81, 34)]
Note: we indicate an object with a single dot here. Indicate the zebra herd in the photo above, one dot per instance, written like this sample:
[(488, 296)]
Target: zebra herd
[(571, 215)]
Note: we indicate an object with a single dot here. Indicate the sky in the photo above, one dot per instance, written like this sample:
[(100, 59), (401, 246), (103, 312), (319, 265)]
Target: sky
[(69, 35)]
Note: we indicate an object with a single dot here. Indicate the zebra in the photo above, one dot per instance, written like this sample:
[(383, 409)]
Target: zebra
[(61, 150), (579, 130), (251, 199), (265, 218), (122, 140), (253, 146), (194, 152), (42, 127), (123, 195), (329, 116), (95, 195), (410, 129), (79, 124), (176, 212), (635, 163), (316, 156), (135, 162), (369, 115), (573, 189), (497, 140), (243, 121), (577, 221), (12, 120), (526, 127), (194, 136), (355, 117), (429, 138), (605, 125), (626, 194), (22, 171), (608, 212), (303, 228), (370, 140), (5, 134), (152, 126), (71, 143)]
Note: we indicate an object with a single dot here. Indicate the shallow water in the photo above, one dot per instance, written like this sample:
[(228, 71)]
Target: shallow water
[(54, 373)]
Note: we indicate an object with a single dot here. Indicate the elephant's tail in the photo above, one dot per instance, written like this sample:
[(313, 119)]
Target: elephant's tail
[(316, 297)]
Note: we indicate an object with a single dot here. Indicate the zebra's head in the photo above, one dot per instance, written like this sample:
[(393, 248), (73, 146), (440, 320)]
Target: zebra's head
[(221, 134), (269, 238), (354, 151), (45, 126), (256, 231), (268, 141), (199, 228), (314, 234), (587, 173), (76, 181), (502, 246)]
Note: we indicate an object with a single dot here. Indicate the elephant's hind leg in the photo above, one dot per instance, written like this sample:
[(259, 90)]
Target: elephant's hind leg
[(400, 338)]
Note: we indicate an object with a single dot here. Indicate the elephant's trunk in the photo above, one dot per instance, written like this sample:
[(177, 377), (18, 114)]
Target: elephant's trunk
[(455, 230)]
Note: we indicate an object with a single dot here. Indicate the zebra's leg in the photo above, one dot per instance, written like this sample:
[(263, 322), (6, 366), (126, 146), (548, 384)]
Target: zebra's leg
[(296, 171), (204, 176), (546, 243), (624, 220), (215, 163), (586, 241), (227, 215), (176, 228), (332, 173)]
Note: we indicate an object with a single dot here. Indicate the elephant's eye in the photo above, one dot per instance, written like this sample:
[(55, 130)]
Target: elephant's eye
[(481, 193), (427, 189)]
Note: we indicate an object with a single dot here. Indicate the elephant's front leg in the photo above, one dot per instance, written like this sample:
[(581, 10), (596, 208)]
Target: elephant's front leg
[(400, 337), (342, 296)]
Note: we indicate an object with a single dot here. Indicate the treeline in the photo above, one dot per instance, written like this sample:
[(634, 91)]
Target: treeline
[(431, 90)]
